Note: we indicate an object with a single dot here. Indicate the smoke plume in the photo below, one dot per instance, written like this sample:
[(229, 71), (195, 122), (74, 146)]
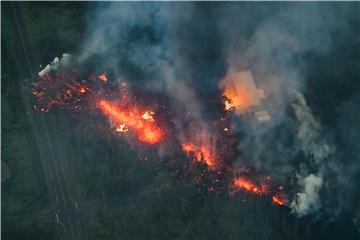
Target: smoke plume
[(308, 200), (183, 50)]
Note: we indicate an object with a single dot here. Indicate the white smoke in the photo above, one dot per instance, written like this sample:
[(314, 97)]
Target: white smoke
[(64, 60), (308, 200), (310, 141)]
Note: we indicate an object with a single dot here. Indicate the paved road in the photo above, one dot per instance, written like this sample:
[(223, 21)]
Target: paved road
[(65, 210)]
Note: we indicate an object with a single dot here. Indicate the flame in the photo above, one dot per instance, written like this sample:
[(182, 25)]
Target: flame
[(122, 128), (148, 116), (187, 147), (66, 90), (146, 131), (278, 200), (248, 186), (242, 183), (238, 90), (228, 105), (82, 90), (62, 89), (102, 77), (201, 153), (239, 100)]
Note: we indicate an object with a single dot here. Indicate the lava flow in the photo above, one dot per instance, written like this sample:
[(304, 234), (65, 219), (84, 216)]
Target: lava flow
[(278, 197), (144, 127), (278, 200), (201, 153), (245, 184), (66, 89), (60, 89)]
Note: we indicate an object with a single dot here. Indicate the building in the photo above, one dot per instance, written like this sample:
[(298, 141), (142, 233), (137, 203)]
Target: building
[(243, 95)]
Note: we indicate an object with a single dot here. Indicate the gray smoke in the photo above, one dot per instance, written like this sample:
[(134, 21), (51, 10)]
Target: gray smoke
[(295, 143), (184, 48)]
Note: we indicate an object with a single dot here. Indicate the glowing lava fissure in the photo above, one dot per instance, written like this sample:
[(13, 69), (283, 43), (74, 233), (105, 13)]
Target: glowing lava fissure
[(248, 186), (277, 196), (279, 200), (145, 128)]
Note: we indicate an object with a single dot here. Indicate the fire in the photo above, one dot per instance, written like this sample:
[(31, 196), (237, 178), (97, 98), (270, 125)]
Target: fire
[(240, 91), (122, 128), (148, 116), (201, 153), (187, 147), (245, 184), (147, 131), (82, 90), (60, 89), (239, 100), (227, 105), (278, 200), (278, 197), (66, 89), (102, 77)]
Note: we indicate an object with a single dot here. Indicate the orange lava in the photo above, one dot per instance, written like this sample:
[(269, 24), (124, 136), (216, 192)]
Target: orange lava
[(148, 116), (200, 153), (102, 77), (82, 90), (147, 131), (278, 200), (247, 185), (242, 183)]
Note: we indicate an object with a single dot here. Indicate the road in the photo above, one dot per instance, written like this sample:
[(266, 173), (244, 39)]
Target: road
[(65, 210)]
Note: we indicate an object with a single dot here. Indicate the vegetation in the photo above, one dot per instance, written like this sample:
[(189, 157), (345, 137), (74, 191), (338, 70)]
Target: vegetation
[(16, 148), (191, 216), (137, 199)]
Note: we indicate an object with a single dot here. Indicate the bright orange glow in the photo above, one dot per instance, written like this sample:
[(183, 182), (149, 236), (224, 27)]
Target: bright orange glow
[(228, 105), (245, 184), (122, 128), (147, 131), (242, 183), (82, 90), (102, 77), (240, 90), (187, 147), (278, 200), (148, 116), (240, 98), (200, 153)]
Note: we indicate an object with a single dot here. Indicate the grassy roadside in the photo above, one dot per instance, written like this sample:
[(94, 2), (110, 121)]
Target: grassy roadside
[(20, 134)]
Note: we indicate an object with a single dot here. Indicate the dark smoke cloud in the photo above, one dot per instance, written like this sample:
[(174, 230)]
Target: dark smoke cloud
[(184, 49)]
